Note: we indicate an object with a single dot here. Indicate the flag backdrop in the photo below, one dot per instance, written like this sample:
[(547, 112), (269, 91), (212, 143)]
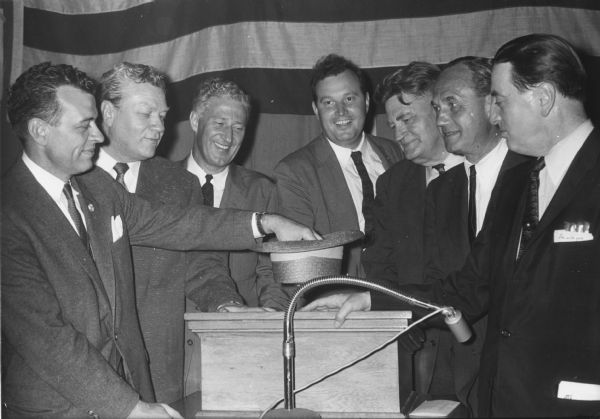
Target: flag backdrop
[(269, 47)]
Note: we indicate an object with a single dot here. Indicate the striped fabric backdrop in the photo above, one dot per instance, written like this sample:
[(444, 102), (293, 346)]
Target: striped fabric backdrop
[(269, 46)]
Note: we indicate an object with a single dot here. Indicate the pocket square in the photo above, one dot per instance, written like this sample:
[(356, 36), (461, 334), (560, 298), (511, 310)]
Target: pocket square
[(565, 236), (572, 390), (116, 226)]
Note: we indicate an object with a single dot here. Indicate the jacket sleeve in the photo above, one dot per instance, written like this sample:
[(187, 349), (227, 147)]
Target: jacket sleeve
[(194, 227)]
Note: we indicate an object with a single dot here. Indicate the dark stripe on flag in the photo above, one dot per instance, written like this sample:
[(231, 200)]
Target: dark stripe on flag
[(162, 21)]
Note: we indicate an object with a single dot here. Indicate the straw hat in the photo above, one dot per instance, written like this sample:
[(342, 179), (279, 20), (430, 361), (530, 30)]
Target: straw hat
[(298, 261)]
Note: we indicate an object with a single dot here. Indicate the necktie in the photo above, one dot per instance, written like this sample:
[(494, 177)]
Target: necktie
[(121, 168), (75, 215), (531, 214), (440, 168), (367, 189), (208, 191), (472, 217)]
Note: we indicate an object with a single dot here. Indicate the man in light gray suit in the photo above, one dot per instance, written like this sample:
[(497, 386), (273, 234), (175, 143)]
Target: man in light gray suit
[(321, 184), (71, 344), (220, 113)]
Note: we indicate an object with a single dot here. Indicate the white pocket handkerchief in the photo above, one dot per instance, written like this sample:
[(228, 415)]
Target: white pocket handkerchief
[(564, 236), (117, 227), (572, 390)]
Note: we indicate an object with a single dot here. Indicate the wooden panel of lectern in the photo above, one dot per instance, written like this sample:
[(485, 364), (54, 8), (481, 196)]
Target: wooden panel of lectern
[(235, 361)]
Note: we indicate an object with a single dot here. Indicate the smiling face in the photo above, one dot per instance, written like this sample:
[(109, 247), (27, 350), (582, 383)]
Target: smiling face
[(414, 128), (517, 113), (69, 144), (462, 115), (341, 108), (219, 129), (135, 125)]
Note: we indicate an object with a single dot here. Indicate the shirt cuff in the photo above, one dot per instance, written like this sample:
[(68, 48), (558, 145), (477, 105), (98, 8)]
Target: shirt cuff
[(255, 230)]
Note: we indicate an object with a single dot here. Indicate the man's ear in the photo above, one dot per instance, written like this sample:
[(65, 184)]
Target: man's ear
[(315, 110), (488, 106), (194, 117), (367, 102), (107, 108), (38, 130), (545, 95)]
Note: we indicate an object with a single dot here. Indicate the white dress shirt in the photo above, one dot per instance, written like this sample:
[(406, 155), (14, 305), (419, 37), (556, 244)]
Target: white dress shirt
[(54, 186), (374, 168), (218, 180), (487, 170), (557, 161), (107, 163)]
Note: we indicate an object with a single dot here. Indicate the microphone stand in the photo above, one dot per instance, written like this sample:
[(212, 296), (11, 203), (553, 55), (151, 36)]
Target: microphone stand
[(453, 319)]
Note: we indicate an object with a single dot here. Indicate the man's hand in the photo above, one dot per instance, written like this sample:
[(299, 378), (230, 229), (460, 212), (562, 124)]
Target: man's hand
[(347, 302), (286, 229), (153, 410)]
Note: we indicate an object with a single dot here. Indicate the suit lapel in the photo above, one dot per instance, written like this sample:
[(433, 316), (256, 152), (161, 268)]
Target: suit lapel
[(459, 194), (584, 161), (99, 232), (234, 188), (386, 160), (337, 197)]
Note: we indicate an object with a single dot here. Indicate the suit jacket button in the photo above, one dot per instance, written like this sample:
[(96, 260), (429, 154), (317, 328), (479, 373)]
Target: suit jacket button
[(505, 333)]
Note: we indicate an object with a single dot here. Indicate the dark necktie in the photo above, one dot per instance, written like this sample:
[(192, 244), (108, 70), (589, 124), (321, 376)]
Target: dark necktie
[(208, 191), (367, 189), (531, 214), (440, 168), (121, 169), (472, 217), (75, 215)]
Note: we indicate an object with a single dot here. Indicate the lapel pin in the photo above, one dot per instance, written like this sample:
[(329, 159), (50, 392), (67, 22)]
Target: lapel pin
[(91, 207)]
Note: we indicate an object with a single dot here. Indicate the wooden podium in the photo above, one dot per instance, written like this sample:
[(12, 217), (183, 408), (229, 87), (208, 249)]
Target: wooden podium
[(236, 361)]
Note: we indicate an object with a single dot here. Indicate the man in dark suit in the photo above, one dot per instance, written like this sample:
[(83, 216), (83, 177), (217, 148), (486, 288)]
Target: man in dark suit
[(220, 112), (396, 252), (534, 267), (132, 103), (457, 204), (321, 184), (71, 345)]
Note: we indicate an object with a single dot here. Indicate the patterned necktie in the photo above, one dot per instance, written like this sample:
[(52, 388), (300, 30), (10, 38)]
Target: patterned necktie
[(472, 217), (121, 169), (440, 168), (75, 215), (531, 214), (367, 189), (208, 192)]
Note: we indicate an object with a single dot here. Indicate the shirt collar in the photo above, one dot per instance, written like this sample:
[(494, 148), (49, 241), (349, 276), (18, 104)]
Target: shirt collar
[(107, 163), (343, 153), (560, 156), (489, 162), (51, 184), (193, 167), (452, 160)]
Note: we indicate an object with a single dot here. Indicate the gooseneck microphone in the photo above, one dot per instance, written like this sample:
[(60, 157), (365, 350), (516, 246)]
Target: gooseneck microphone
[(452, 317)]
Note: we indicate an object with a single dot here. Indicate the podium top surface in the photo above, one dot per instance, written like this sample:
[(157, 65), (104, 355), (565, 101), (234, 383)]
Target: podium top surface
[(310, 320)]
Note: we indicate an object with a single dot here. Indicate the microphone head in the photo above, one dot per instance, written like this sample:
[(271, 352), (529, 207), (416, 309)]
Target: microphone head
[(457, 325)]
